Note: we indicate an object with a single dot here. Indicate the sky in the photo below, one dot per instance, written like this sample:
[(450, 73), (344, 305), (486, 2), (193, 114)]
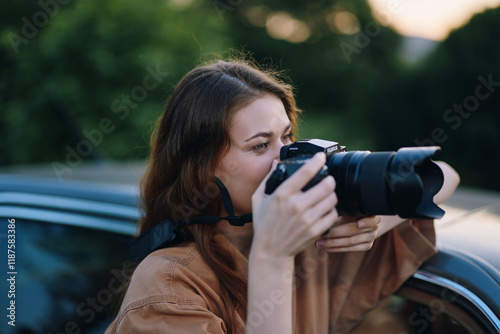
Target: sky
[(431, 19)]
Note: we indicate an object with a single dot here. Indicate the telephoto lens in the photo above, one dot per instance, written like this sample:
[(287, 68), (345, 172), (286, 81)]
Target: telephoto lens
[(370, 183)]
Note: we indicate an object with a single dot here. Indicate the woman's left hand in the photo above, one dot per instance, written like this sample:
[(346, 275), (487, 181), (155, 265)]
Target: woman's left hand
[(351, 235)]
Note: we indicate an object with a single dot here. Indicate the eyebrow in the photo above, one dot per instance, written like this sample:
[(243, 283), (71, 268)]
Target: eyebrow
[(268, 134)]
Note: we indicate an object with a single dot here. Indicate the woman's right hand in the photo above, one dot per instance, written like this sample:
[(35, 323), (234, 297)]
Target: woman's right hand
[(289, 220)]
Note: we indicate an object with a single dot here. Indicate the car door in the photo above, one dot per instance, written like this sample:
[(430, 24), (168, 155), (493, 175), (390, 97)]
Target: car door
[(64, 266)]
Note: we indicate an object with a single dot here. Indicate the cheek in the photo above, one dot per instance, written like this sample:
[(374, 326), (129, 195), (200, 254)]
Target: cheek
[(245, 172), (256, 170), (243, 185)]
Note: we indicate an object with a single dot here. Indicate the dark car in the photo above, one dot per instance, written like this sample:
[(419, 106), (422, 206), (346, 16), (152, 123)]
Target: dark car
[(64, 270), (66, 267), (457, 290)]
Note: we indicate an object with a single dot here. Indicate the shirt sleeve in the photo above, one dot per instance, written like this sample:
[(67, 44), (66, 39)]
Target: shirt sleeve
[(364, 279)]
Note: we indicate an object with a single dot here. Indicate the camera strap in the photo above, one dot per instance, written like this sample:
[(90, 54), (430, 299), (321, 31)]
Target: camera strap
[(164, 234)]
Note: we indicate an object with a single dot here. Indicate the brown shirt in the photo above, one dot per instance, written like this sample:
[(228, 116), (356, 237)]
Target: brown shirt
[(174, 291)]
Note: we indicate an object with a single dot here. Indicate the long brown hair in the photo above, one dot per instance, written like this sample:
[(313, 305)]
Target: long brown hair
[(190, 137)]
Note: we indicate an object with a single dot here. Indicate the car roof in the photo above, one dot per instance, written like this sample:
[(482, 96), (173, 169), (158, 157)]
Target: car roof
[(108, 207), (470, 228), (126, 195), (475, 233), (468, 248)]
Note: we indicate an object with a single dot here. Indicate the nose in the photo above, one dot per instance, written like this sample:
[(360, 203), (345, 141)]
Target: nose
[(278, 149)]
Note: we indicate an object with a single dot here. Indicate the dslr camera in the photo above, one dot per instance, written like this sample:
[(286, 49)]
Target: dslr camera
[(370, 183)]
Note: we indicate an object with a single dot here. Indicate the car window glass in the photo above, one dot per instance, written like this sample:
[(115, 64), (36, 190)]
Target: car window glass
[(67, 278)]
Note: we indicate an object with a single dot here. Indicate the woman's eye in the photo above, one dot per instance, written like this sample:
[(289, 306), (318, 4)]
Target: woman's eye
[(260, 147), (287, 137)]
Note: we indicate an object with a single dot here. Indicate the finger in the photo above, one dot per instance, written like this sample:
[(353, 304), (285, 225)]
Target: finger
[(357, 248), (369, 222), (323, 205), (347, 241), (314, 196), (324, 223), (304, 174), (348, 230)]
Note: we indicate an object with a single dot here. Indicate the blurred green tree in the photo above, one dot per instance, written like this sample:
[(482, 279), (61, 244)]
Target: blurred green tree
[(94, 74), (86, 80)]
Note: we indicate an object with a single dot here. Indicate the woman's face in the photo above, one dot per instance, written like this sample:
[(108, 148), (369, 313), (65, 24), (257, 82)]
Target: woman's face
[(257, 133)]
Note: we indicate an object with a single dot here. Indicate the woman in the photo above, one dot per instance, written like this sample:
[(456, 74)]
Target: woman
[(216, 143)]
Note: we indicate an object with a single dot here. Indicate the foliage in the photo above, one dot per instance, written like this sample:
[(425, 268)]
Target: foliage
[(96, 61), (88, 81)]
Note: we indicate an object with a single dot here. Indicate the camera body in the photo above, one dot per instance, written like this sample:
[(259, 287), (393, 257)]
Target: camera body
[(378, 183), (295, 155)]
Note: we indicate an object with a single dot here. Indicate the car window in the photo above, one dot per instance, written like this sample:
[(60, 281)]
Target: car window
[(66, 278)]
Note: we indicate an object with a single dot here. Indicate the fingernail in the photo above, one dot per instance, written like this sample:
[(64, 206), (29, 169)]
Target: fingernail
[(320, 243), (320, 155), (361, 224)]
